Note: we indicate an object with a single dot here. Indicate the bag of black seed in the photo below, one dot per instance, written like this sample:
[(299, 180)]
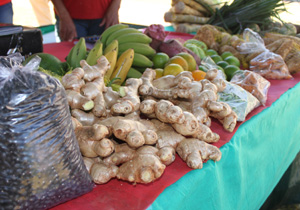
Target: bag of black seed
[(40, 162)]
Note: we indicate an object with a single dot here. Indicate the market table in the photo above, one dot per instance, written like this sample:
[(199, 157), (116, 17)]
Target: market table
[(254, 157)]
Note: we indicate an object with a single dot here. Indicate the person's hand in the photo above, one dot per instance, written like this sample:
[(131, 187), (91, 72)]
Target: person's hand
[(67, 29), (111, 16)]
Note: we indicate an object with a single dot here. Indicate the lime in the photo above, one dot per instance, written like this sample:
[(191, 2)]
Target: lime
[(203, 68), (216, 58), (160, 59), (226, 54), (172, 69), (211, 52), (230, 71), (223, 64), (232, 60)]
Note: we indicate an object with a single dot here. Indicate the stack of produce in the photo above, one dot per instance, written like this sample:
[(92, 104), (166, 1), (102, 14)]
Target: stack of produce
[(134, 137), (188, 15)]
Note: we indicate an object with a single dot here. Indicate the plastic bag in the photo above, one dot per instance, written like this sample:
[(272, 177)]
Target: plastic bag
[(210, 64), (240, 100), (253, 83), (40, 162), (266, 63)]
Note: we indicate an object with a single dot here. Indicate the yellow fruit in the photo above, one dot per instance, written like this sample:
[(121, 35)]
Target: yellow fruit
[(198, 75), (190, 60), (160, 59), (172, 69), (180, 61), (159, 73)]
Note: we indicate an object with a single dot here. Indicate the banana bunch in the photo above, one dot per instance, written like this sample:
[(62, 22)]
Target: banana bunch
[(79, 52), (121, 38)]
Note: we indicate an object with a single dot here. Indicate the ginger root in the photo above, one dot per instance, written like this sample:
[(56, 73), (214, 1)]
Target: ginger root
[(194, 152)]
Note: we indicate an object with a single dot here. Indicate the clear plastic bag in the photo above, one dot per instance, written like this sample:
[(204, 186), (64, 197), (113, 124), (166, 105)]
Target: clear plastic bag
[(266, 63), (254, 83), (40, 162), (210, 64), (240, 100)]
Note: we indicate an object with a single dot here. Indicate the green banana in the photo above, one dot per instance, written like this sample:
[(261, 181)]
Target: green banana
[(133, 73), (144, 49), (104, 36), (121, 32), (137, 37), (78, 54), (94, 53), (140, 60)]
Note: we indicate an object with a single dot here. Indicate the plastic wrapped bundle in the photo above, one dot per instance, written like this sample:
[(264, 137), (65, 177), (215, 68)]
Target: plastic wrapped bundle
[(40, 161)]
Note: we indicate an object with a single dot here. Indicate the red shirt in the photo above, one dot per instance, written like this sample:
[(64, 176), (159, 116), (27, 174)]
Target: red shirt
[(87, 9), (2, 2)]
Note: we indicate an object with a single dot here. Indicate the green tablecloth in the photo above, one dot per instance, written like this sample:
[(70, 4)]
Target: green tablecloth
[(252, 163)]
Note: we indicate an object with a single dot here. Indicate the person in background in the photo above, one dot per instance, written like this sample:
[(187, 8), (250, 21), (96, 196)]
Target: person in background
[(77, 18), (6, 11)]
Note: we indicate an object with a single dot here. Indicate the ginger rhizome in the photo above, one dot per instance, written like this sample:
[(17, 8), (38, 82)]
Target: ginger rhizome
[(133, 136)]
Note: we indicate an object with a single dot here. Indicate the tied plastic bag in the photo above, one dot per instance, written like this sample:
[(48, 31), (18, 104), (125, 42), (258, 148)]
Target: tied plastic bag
[(266, 63), (40, 162), (240, 100), (254, 83)]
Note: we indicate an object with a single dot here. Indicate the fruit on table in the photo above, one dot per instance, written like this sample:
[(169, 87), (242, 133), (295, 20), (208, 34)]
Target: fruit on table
[(210, 52), (159, 72), (197, 43), (172, 69), (223, 64), (121, 32), (198, 75), (216, 58), (203, 68), (226, 54), (50, 63), (110, 30), (179, 60), (197, 50), (232, 60), (160, 59), (190, 60), (230, 71)]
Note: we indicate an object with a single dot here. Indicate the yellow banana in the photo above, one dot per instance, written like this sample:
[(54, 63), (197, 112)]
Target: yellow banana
[(78, 53), (94, 54), (114, 44), (111, 56), (123, 65), (110, 30)]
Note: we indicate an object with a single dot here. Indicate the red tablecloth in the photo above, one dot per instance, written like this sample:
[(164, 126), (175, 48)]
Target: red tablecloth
[(122, 195)]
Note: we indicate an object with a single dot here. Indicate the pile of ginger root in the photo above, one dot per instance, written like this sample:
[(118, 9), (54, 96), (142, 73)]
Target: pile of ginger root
[(134, 137)]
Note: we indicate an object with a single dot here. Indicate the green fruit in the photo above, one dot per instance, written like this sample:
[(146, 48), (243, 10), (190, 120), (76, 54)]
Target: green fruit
[(216, 58), (226, 54), (211, 52), (196, 42), (203, 68), (223, 64), (230, 70), (232, 60), (160, 59), (50, 63)]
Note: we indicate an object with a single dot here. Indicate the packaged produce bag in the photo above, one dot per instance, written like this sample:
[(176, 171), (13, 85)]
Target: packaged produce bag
[(40, 162), (241, 101), (254, 83), (266, 63)]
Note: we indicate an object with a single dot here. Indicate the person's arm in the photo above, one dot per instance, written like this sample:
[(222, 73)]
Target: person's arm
[(67, 29), (111, 16)]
